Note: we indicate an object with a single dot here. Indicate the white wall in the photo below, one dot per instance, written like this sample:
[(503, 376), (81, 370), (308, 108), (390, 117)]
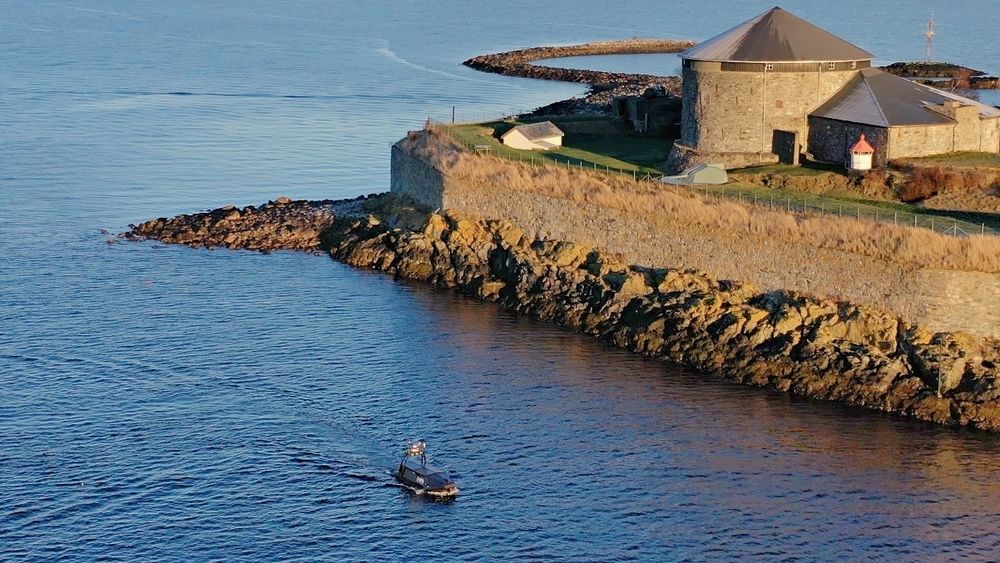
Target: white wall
[(515, 140)]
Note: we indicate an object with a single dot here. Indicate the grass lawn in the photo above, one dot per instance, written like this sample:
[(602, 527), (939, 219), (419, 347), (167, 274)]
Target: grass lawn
[(940, 220), (965, 159), (644, 155)]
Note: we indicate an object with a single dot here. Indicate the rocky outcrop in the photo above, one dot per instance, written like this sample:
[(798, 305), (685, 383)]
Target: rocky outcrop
[(282, 224), (955, 76), (782, 340), (605, 86)]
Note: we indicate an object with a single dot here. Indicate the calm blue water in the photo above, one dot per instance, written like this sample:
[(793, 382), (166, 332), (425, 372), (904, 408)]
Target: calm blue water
[(161, 403)]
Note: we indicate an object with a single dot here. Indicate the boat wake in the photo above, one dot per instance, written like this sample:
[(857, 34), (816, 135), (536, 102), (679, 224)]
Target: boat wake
[(388, 53)]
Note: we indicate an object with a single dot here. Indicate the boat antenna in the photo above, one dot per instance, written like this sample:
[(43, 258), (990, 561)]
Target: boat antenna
[(929, 34), (418, 448)]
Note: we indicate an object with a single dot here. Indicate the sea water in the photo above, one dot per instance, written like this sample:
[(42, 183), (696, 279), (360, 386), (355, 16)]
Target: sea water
[(163, 403)]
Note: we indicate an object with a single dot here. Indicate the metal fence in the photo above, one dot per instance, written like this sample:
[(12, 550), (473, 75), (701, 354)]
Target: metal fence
[(941, 221)]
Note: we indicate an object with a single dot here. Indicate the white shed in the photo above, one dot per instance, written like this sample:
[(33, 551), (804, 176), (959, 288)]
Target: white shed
[(533, 136), (861, 154)]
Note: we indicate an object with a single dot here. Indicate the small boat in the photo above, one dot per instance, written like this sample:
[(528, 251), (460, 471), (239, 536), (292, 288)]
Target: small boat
[(424, 478)]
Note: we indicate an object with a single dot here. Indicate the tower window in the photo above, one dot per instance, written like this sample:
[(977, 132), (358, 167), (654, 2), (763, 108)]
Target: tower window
[(832, 66), (854, 65), (768, 66)]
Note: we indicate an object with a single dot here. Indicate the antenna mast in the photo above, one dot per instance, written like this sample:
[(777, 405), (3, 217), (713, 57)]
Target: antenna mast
[(929, 34)]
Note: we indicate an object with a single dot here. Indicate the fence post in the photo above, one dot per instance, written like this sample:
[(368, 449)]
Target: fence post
[(982, 229), (914, 219), (895, 217), (858, 209), (932, 223)]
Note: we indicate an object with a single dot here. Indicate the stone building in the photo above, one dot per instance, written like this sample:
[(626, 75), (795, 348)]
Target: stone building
[(901, 119), (777, 86)]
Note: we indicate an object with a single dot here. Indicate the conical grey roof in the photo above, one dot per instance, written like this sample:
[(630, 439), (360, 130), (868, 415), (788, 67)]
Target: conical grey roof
[(875, 97), (776, 36)]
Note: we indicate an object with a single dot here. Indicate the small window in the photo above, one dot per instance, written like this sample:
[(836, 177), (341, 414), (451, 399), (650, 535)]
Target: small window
[(768, 66), (779, 104), (854, 65), (831, 66)]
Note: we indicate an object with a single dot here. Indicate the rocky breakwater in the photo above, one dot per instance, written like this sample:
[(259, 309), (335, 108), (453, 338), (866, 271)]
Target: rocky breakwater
[(782, 340), (604, 86), (944, 74), (281, 224)]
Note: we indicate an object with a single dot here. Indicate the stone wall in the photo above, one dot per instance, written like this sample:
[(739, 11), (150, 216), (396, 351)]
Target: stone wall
[(416, 179), (938, 300), (683, 157), (969, 134), (783, 340), (830, 140), (736, 111)]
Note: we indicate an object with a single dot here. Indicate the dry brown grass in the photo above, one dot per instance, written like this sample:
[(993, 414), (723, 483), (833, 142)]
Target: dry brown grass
[(913, 247)]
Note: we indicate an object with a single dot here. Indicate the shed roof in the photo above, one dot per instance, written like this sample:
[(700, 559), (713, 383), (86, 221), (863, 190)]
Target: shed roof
[(536, 131), (699, 174), (863, 146), (776, 36), (875, 97)]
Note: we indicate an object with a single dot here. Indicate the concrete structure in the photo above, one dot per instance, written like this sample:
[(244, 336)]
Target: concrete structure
[(654, 113), (756, 93), (534, 136), (714, 174), (861, 155)]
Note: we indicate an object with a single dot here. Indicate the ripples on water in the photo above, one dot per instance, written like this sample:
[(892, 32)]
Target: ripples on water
[(163, 403)]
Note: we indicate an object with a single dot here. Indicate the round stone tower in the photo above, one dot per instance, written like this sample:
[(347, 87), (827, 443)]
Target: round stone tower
[(747, 93)]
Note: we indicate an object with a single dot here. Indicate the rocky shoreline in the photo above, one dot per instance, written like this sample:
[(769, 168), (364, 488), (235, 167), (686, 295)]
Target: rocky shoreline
[(781, 340), (944, 75), (604, 86)]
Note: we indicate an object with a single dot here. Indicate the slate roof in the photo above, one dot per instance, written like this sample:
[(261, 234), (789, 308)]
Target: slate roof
[(536, 131), (776, 36), (875, 97)]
